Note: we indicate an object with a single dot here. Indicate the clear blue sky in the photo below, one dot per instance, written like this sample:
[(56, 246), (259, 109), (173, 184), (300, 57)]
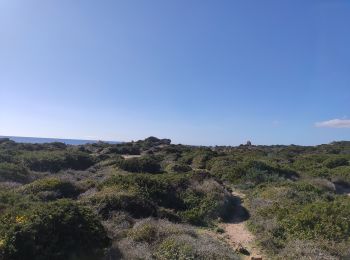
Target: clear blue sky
[(196, 71)]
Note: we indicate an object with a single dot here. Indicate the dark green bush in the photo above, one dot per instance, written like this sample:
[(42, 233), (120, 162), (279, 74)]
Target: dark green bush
[(250, 172), (12, 200), (52, 188), (109, 200), (13, 172), (161, 189), (298, 211), (177, 168), (195, 200), (341, 174), (227, 168), (124, 149), (336, 162), (322, 219), (206, 201), (55, 161), (198, 158), (57, 230), (143, 164), (153, 141)]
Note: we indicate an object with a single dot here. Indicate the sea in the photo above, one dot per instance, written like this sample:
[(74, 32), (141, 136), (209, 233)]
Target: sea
[(41, 140)]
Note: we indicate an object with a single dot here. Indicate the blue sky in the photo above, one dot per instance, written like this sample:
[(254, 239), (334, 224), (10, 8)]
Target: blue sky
[(196, 71)]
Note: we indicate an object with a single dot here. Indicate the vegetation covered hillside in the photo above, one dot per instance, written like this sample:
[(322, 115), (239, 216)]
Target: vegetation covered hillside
[(151, 199)]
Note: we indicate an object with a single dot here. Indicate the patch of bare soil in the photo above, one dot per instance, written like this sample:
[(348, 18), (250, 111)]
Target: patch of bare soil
[(128, 156), (237, 233)]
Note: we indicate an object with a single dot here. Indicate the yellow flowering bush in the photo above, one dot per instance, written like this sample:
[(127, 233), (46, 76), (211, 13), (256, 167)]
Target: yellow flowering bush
[(21, 219), (2, 242)]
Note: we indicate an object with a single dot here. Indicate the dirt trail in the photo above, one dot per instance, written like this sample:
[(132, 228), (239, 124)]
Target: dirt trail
[(237, 233), (128, 156)]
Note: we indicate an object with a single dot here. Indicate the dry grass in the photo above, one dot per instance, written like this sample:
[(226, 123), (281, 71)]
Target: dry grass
[(160, 239)]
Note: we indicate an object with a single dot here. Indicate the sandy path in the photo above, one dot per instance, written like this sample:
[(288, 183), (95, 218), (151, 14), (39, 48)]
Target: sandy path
[(128, 156), (237, 233)]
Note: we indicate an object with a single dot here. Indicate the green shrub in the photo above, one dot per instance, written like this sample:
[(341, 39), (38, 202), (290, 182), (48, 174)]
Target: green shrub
[(184, 246), (161, 189), (124, 149), (341, 174), (306, 249), (250, 172), (193, 197), (175, 249), (206, 201), (143, 164), (152, 230), (220, 230), (144, 232), (12, 200), (224, 167), (336, 162), (198, 158), (52, 188), (321, 219), (177, 168), (298, 211), (160, 239), (109, 200), (13, 172), (55, 161), (208, 210), (57, 230)]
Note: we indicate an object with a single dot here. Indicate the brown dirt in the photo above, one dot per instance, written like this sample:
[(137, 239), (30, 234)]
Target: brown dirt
[(128, 156), (236, 231)]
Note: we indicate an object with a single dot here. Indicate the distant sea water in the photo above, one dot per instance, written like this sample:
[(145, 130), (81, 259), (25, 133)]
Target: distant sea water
[(41, 140)]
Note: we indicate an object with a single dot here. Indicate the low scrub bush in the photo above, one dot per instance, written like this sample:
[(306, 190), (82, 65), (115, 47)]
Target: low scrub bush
[(162, 239), (250, 173), (197, 158), (206, 201), (55, 161), (174, 248), (143, 164), (57, 230), (13, 172), (52, 188), (193, 198), (161, 189), (341, 174), (305, 249), (321, 219), (110, 200), (300, 211), (189, 247), (336, 162), (177, 168)]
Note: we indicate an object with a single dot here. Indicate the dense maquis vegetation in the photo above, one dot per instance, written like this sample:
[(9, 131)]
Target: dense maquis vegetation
[(151, 199)]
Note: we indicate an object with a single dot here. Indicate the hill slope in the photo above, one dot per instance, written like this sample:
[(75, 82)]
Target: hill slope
[(152, 200)]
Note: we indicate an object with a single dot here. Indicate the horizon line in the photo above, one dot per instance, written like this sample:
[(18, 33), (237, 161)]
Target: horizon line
[(113, 141)]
